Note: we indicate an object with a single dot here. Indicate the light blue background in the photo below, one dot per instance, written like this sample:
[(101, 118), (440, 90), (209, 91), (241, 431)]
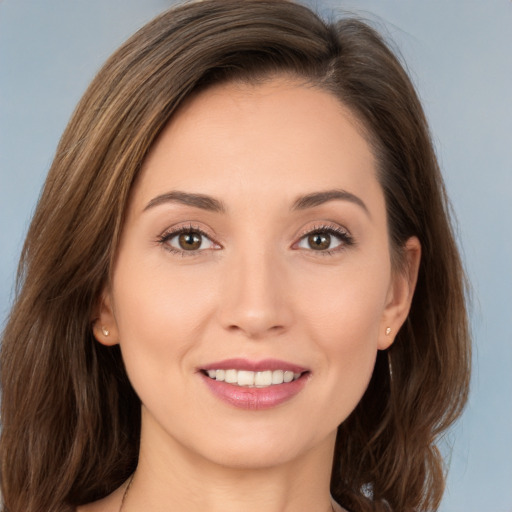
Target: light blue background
[(459, 54)]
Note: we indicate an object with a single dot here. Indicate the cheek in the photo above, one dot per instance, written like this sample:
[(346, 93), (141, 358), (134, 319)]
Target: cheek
[(159, 315), (344, 320), (346, 305), (150, 297)]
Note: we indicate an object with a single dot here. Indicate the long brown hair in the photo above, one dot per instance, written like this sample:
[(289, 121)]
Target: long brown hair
[(70, 418)]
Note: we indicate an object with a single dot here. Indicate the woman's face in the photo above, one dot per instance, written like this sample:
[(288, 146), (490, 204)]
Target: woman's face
[(255, 251)]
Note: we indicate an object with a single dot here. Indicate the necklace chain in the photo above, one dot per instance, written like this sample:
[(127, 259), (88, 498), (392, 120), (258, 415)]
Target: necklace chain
[(130, 483)]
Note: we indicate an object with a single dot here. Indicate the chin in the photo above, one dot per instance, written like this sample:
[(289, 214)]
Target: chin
[(252, 457), (259, 448)]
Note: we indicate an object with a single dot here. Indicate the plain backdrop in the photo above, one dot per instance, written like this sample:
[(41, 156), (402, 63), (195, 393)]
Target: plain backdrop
[(459, 55)]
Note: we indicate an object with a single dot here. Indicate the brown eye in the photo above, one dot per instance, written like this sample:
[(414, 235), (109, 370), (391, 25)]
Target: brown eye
[(325, 240), (187, 241), (319, 241), (190, 241)]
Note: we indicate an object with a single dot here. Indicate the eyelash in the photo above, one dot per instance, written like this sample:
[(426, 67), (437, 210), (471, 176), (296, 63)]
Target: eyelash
[(164, 239), (343, 235)]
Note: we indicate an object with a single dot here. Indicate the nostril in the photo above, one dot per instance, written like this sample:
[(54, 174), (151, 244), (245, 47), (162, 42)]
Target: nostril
[(256, 330)]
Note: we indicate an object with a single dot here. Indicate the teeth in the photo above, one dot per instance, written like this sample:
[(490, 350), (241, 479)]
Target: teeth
[(245, 378), (277, 377), (263, 379), (253, 379), (231, 376)]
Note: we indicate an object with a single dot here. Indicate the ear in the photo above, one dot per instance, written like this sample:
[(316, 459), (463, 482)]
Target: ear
[(104, 325), (400, 293)]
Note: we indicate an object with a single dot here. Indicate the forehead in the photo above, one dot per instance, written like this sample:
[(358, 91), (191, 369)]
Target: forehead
[(277, 138)]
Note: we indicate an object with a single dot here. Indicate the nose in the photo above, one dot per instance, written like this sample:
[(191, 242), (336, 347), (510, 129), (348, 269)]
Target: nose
[(255, 300)]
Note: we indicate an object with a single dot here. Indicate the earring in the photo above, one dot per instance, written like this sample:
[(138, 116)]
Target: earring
[(105, 331), (388, 331)]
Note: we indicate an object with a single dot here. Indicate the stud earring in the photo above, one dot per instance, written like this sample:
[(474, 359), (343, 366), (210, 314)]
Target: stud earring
[(105, 331), (388, 331)]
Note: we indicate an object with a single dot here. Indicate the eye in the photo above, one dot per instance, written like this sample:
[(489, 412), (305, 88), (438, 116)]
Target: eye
[(325, 239), (187, 240)]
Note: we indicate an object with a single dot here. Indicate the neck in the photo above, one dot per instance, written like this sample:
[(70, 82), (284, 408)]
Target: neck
[(171, 477)]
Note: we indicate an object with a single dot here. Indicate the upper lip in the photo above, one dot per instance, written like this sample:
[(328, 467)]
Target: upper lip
[(254, 366)]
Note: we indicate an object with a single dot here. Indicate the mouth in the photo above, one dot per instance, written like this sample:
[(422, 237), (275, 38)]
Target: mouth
[(254, 385), (252, 379)]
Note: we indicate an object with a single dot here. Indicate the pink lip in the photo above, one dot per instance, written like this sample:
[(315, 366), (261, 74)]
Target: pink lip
[(254, 398), (254, 366)]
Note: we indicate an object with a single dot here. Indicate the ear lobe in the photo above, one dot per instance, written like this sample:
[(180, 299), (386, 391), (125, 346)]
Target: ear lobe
[(104, 326), (401, 291)]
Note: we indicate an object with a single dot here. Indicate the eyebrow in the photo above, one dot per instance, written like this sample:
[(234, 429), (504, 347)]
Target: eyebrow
[(211, 204), (319, 198), (197, 200)]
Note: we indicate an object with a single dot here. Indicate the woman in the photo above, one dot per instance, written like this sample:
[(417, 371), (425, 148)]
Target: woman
[(240, 288)]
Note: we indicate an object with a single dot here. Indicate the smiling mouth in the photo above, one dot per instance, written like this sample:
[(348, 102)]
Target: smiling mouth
[(250, 379)]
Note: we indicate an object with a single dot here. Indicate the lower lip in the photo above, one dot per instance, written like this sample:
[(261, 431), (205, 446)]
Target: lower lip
[(255, 399)]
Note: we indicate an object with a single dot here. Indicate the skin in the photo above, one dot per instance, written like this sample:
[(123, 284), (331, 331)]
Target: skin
[(257, 289)]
